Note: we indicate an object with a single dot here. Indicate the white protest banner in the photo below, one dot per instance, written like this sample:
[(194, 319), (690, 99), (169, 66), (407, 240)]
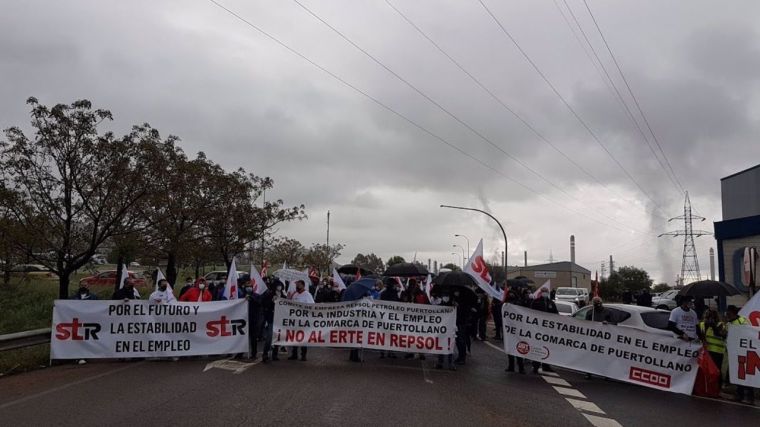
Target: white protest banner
[(366, 323), (618, 352), (117, 329), (743, 344)]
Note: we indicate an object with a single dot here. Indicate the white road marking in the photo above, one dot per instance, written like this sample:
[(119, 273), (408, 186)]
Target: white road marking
[(602, 421), (425, 373), (556, 381), (71, 384), (235, 366), (569, 392), (493, 346), (583, 405), (550, 374)]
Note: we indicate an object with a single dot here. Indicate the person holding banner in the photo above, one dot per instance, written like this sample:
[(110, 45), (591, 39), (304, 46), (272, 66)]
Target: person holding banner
[(163, 294), (445, 301), (198, 293), (543, 303), (83, 293), (713, 333), (683, 320), (519, 297), (126, 292), (742, 392), (300, 295), (275, 289)]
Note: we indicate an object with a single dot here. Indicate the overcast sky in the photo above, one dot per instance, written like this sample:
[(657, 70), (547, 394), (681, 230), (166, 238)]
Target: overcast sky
[(191, 69)]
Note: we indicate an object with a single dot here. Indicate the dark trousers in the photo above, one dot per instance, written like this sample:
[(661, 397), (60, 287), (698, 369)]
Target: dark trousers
[(268, 330), (498, 325), (511, 363), (461, 341), (717, 358), (536, 365), (482, 327), (354, 355), (448, 357), (745, 393), (294, 352)]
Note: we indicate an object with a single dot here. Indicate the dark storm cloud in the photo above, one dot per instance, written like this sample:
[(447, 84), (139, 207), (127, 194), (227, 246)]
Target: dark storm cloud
[(192, 70)]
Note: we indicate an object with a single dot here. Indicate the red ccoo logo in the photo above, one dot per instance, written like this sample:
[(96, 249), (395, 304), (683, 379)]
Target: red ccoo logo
[(649, 377), (523, 347)]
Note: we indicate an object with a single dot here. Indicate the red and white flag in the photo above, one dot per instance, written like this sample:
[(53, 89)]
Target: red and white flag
[(358, 274), (338, 280), (265, 268), (259, 287), (231, 286), (546, 287), (476, 267)]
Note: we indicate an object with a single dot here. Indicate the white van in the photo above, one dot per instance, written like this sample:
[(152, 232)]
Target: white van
[(579, 296)]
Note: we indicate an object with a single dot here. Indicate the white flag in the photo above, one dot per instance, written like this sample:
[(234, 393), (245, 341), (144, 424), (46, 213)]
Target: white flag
[(429, 286), (160, 277), (259, 287), (338, 280), (476, 267), (231, 287), (546, 287), (124, 276)]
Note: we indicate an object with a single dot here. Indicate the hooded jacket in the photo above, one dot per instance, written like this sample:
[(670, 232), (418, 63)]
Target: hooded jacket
[(195, 294)]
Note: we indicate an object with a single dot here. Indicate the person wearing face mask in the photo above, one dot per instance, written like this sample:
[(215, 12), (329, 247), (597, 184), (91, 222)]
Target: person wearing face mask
[(163, 294), (516, 296), (275, 290), (126, 292), (186, 287), (465, 313), (301, 295), (543, 303), (255, 316), (83, 293), (445, 301), (683, 320), (599, 313), (198, 293)]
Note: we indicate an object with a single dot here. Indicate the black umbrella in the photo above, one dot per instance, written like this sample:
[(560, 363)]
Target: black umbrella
[(454, 278), (708, 288), (352, 269), (462, 294), (519, 283), (406, 269)]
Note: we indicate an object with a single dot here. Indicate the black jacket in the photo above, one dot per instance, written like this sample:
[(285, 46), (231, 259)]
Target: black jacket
[(544, 304), (125, 293)]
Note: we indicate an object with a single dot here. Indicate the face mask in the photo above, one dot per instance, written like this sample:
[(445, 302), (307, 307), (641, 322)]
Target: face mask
[(84, 291), (279, 289), (335, 289), (445, 299), (202, 286), (162, 287), (248, 289)]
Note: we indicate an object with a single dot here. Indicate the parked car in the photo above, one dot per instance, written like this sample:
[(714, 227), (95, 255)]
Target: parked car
[(645, 318), (216, 277), (666, 300), (108, 278), (566, 308), (98, 259), (33, 271), (579, 296)]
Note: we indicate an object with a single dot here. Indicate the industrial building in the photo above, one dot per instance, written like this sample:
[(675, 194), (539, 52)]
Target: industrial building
[(561, 274), (740, 228)]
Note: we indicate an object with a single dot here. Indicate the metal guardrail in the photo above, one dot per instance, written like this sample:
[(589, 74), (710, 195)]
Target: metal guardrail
[(24, 339)]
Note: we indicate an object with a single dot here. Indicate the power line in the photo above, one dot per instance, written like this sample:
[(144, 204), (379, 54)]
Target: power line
[(604, 39), (497, 99), (620, 98), (435, 103), (410, 121), (567, 104)]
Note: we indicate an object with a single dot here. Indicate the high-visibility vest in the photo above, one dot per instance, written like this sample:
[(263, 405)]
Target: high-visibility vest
[(741, 320), (715, 344)]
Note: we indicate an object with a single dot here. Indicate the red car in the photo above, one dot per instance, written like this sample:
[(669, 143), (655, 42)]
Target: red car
[(108, 278)]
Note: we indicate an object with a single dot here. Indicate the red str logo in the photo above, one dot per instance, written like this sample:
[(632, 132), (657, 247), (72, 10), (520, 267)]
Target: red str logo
[(649, 377), (225, 328), (71, 331), (479, 266)]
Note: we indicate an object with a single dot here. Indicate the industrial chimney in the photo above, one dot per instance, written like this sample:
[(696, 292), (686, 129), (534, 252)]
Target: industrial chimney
[(572, 249), (712, 264), (526, 258)]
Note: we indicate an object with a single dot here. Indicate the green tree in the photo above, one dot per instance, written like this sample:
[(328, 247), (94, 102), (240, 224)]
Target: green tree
[(320, 255), (370, 262), (285, 250), (74, 187), (630, 278), (661, 287), (396, 259)]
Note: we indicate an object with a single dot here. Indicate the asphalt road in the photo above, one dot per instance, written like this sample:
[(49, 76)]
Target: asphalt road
[(329, 390)]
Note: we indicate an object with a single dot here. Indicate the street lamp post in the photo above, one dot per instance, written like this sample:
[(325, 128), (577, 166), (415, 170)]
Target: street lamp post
[(468, 243), (506, 243), (463, 258)]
